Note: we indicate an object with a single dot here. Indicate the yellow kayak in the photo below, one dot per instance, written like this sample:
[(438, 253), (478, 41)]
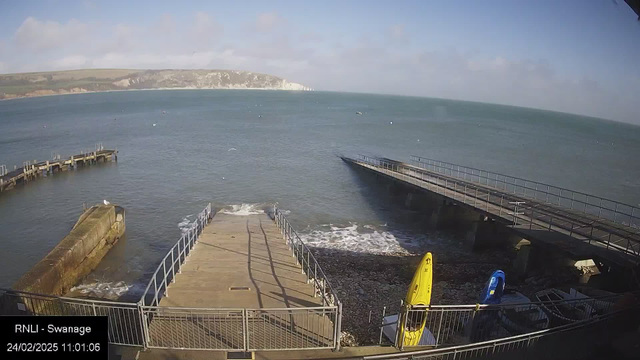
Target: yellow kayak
[(412, 326)]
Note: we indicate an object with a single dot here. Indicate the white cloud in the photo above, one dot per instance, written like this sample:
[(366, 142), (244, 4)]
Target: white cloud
[(205, 31), (268, 21), (71, 62), (397, 31), (89, 4), (37, 35)]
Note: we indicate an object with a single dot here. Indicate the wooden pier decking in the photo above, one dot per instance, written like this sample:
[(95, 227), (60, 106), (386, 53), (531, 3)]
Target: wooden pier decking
[(30, 171)]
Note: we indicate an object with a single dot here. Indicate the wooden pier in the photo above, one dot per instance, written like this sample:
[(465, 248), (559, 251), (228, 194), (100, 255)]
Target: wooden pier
[(32, 170)]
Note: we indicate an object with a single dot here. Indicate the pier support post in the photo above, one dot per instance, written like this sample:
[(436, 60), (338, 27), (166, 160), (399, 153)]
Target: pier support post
[(523, 257)]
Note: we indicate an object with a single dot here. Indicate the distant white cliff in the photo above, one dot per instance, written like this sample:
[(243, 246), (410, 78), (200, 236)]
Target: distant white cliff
[(95, 80)]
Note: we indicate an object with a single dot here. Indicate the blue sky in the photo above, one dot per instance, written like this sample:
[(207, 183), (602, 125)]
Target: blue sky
[(573, 56)]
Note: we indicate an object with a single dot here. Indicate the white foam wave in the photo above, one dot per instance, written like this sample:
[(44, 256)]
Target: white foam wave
[(243, 209), (185, 224), (105, 290), (365, 239)]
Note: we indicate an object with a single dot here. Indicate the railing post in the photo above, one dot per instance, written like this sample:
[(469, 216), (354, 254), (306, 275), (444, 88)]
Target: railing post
[(315, 277), (600, 209), (179, 259), (245, 330), (439, 327), (143, 325), (302, 258), (308, 268), (533, 213), (615, 212), (155, 287), (164, 269), (573, 195), (324, 291), (173, 270), (339, 326)]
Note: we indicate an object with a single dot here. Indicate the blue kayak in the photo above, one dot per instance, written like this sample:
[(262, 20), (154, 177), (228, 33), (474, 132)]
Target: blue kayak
[(493, 289)]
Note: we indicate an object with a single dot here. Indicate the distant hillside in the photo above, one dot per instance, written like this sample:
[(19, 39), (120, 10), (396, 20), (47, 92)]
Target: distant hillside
[(90, 80)]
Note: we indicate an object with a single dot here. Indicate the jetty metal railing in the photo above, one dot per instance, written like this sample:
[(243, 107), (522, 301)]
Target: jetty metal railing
[(124, 318), (600, 207), (304, 258), (460, 324), (241, 329), (571, 341), (171, 264), (524, 216)]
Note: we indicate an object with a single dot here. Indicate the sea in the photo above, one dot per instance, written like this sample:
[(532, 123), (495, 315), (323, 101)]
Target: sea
[(244, 151)]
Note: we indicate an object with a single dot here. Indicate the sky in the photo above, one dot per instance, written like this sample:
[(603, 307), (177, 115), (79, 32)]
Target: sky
[(576, 56)]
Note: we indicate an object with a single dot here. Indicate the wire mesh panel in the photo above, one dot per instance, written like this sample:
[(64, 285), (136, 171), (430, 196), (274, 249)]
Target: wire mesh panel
[(124, 318), (192, 328), (573, 341), (439, 325), (295, 328)]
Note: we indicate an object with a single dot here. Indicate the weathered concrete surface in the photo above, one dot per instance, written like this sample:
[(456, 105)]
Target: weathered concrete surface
[(98, 229), (241, 252), (242, 262)]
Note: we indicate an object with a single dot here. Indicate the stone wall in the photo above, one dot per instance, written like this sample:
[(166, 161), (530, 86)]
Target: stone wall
[(95, 233)]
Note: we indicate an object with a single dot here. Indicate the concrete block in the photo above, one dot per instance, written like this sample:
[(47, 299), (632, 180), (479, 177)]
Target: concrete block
[(77, 253)]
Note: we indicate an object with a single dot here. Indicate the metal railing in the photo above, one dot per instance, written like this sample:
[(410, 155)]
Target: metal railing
[(600, 207), (241, 329), (524, 216), (171, 264), (571, 341), (461, 324), (124, 318), (306, 260)]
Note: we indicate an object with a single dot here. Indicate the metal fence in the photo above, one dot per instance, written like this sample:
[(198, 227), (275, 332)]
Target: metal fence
[(124, 318), (571, 341), (241, 329), (463, 324), (513, 208), (306, 260), (602, 208), (171, 264)]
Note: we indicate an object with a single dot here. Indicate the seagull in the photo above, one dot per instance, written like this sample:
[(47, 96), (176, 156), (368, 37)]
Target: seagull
[(391, 122), (232, 149), (154, 124), (106, 202)]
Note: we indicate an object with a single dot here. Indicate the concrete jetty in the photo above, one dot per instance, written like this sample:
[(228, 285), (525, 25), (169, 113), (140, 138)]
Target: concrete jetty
[(241, 283), (31, 170), (241, 261), (95, 233)]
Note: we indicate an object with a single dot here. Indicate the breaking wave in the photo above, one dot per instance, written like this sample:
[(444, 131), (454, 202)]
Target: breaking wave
[(243, 209), (365, 239)]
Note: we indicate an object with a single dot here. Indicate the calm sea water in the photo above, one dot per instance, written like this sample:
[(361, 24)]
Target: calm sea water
[(286, 146)]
